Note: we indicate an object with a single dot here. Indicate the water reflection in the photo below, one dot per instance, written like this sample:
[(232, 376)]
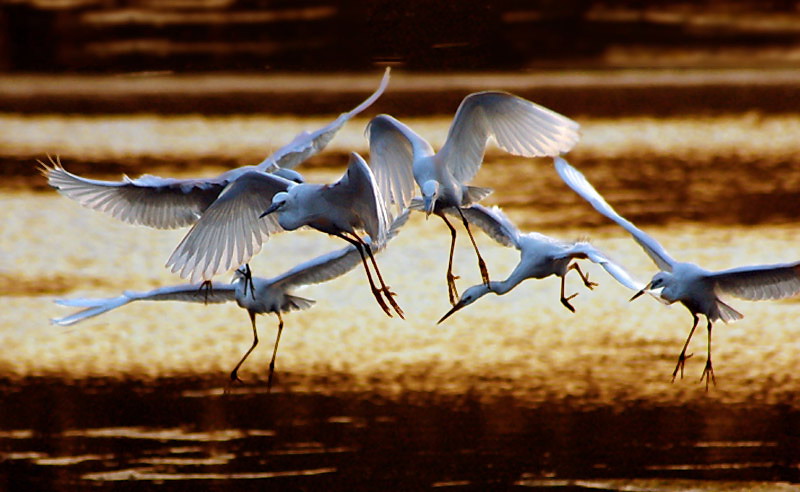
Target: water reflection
[(362, 441)]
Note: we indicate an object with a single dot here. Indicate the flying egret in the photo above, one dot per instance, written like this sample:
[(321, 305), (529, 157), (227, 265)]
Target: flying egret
[(271, 295), (169, 203), (340, 209), (540, 257), (696, 288), (399, 156)]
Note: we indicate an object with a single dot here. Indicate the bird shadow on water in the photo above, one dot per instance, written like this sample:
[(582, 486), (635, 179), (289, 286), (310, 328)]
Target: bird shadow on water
[(188, 434)]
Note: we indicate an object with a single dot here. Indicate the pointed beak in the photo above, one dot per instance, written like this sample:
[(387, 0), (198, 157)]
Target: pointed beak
[(429, 204), (450, 313), (272, 208), (638, 294)]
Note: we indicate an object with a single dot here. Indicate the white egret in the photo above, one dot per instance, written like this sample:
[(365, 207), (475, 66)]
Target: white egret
[(169, 203), (540, 257), (696, 288), (340, 209), (399, 156), (270, 295)]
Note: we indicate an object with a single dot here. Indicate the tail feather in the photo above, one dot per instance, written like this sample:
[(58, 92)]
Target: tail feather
[(727, 313)]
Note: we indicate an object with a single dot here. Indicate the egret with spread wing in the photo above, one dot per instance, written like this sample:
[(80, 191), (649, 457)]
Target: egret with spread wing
[(169, 203), (696, 288), (340, 209), (271, 295), (540, 257), (399, 156)]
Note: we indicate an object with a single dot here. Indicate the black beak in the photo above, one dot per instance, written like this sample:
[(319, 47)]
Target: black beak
[(449, 313), (638, 294), (272, 208)]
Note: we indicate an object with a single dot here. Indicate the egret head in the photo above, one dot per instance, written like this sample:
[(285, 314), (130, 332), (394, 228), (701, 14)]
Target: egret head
[(278, 201), (430, 192), (468, 297), (657, 284)]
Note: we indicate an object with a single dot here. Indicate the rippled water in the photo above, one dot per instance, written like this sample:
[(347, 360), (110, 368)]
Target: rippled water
[(512, 392)]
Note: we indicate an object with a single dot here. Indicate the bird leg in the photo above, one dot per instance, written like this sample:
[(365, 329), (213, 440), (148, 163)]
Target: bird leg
[(375, 291), (708, 372), (235, 372), (384, 288), (682, 358), (452, 292), (584, 276), (565, 300), (248, 279), (206, 289), (481, 263), (274, 352)]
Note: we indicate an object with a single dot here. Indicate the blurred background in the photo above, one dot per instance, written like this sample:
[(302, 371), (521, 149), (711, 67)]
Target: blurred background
[(690, 123)]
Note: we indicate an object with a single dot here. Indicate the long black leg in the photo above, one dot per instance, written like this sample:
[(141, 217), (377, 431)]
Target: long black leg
[(682, 358), (565, 300), (481, 263), (235, 372), (708, 372), (384, 288), (375, 291), (248, 278), (452, 292), (274, 352)]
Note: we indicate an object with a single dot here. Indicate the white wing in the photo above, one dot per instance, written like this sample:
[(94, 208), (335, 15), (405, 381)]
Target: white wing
[(187, 293), (359, 189), (614, 269), (335, 264), (493, 222), (519, 127), (761, 282), (163, 203), (577, 181), (393, 147), (307, 144), (230, 231)]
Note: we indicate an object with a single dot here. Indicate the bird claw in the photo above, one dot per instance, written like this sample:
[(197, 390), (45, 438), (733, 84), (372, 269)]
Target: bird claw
[(588, 283), (377, 294), (205, 288), (390, 296), (708, 374), (452, 291), (565, 302), (679, 366)]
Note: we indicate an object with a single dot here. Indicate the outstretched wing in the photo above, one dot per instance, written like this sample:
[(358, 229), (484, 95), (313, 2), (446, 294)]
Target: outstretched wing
[(307, 144), (493, 222), (230, 231), (392, 149), (577, 181), (335, 264), (219, 293), (584, 249), (519, 127), (163, 203), (359, 190), (758, 283)]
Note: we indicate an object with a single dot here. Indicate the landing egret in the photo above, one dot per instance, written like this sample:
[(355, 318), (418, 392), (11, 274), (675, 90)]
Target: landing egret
[(399, 156), (696, 288), (270, 295), (340, 209), (540, 257), (169, 203)]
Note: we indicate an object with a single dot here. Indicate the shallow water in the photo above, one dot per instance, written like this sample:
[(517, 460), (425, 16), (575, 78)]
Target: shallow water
[(512, 392)]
